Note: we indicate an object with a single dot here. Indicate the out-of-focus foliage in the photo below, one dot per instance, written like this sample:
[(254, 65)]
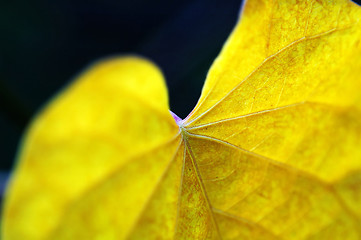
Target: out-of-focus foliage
[(44, 43), (271, 151)]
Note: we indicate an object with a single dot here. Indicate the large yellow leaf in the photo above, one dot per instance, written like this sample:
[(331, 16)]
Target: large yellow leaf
[(271, 151)]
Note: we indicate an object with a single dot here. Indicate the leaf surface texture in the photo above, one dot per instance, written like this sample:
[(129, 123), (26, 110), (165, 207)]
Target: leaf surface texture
[(271, 150)]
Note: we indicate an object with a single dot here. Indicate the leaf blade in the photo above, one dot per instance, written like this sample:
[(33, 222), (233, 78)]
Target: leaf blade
[(99, 125)]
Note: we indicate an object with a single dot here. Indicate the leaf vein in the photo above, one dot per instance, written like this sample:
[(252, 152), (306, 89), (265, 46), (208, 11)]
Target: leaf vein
[(259, 67), (199, 177)]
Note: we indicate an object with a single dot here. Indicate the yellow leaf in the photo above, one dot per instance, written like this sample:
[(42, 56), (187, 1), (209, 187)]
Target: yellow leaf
[(271, 150)]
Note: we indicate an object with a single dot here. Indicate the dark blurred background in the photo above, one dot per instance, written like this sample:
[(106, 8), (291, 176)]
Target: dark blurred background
[(43, 44)]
